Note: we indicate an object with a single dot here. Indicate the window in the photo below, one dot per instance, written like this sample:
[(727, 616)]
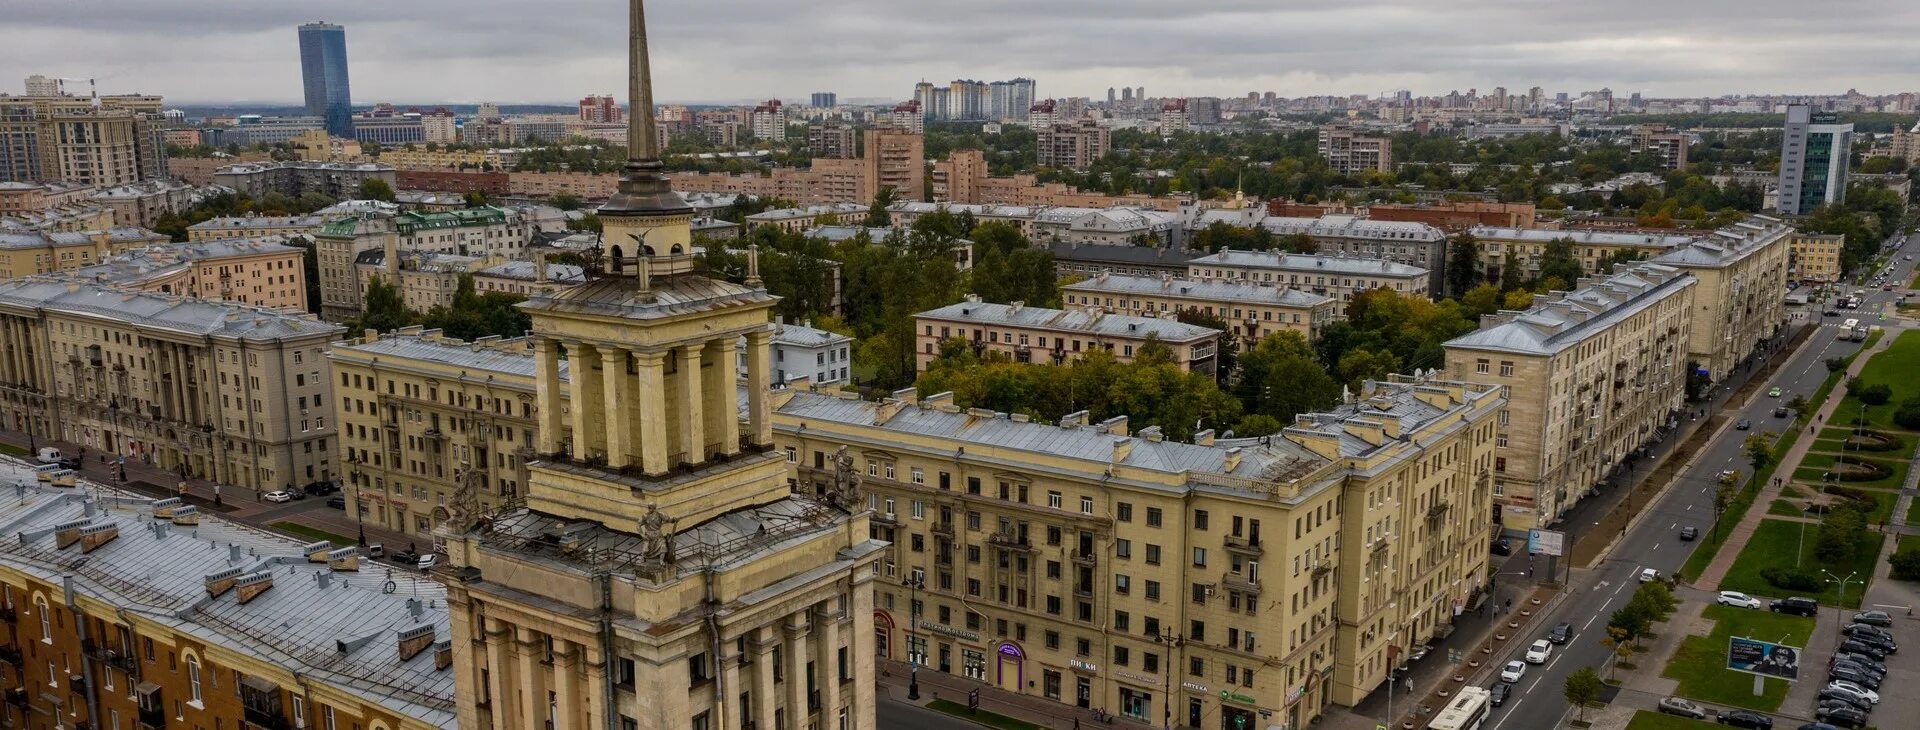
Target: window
[(1480, 366), (1153, 516), (193, 680), (1153, 554), (1123, 512), (1199, 557), (1506, 368), (1053, 500), (1200, 520), (1086, 504), (46, 618)]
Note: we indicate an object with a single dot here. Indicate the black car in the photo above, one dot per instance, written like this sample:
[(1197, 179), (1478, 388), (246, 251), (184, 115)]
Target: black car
[(1502, 546), (1498, 693), (1744, 424), (1873, 650), (1855, 676), (1828, 696), (1561, 633), (1878, 675), (1840, 715), (1874, 618), (1688, 533), (1830, 313), (1796, 605), (1817, 726), (1862, 660), (1743, 718), (337, 502), (1781, 412), (1864, 631)]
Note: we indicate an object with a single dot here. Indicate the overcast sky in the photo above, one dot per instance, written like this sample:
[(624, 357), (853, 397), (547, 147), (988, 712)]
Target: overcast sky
[(411, 51)]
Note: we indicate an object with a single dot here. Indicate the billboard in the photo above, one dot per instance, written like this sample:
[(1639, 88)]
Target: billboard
[(1764, 658), (1546, 542)]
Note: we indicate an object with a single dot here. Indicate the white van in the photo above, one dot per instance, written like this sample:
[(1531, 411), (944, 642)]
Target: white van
[(48, 455)]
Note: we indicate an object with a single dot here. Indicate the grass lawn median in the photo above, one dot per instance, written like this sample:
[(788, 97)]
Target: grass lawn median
[(1894, 368), (1773, 545), (1644, 720), (1700, 663), (312, 533), (990, 719)]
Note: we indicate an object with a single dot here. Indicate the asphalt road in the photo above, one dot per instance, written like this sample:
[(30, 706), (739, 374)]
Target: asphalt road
[(893, 715), (1538, 703)]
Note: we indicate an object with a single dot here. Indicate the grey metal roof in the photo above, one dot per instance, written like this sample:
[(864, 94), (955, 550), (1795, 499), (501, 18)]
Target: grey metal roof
[(1068, 320), (259, 221), (1089, 443), (1556, 323), (801, 335), (1347, 226), (1395, 401), (669, 296), (524, 271), (1120, 255), (1216, 290), (1729, 245), (187, 315), (1310, 263), (160, 260), (295, 624), (501, 357), (1589, 237)]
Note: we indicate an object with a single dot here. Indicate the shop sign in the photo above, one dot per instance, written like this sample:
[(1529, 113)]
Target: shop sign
[(1136, 678), (1194, 687), (950, 631), (1083, 666), (1227, 694)]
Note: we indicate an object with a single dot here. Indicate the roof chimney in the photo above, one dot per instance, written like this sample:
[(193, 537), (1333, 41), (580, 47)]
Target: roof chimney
[(1233, 459), (317, 551), (186, 515), (1116, 425), (345, 559), (323, 580), (1152, 434), (249, 587), (415, 640), (1203, 437), (442, 655), (1122, 446), (218, 583)]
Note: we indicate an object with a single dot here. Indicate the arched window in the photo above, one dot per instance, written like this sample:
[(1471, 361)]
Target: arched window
[(677, 250), (617, 256), (193, 677), (46, 618)]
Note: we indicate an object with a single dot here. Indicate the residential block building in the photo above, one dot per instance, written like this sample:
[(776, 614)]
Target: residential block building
[(111, 140), (659, 573), (1072, 145), (1251, 311), (1038, 334), (527, 278), (1668, 146), (337, 180), (1596, 250), (1590, 376), (1815, 257), (227, 625), (1339, 277), (483, 232), (262, 271), (143, 203), (804, 352), (1418, 244), (227, 392), (25, 252), (33, 197), (1740, 298), (255, 226), (1222, 583), (1348, 151)]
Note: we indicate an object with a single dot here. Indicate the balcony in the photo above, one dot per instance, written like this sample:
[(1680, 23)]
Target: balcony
[(1010, 541), (154, 718), (1438, 510), (10, 655), (888, 519), (1236, 582), (944, 529), (1245, 546), (260, 719), (1085, 558)]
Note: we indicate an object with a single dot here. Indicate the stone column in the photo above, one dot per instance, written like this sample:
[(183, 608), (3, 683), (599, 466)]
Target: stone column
[(652, 397), (618, 389), (597, 666), (587, 420), (566, 684), (766, 697), (723, 418), (532, 679), (500, 684), (860, 651), (759, 374), (795, 654), (693, 429), (826, 664), (546, 381), (732, 714), (663, 703)]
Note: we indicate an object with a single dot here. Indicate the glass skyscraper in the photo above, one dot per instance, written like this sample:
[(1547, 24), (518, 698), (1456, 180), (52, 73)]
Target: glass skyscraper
[(323, 71)]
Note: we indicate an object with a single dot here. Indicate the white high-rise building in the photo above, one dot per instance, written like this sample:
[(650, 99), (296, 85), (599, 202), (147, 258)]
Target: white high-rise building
[(38, 85), (1815, 155)]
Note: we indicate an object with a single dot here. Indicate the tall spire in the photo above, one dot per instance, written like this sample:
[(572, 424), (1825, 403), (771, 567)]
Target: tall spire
[(644, 188)]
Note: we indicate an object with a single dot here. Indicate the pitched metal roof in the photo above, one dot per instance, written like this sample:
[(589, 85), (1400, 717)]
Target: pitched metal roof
[(1557, 322), (1215, 290), (501, 357), (1069, 320), (163, 312), (1310, 263)]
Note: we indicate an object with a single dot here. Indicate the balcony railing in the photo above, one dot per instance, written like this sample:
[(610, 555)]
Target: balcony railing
[(1237, 582), (1085, 558), (1244, 545), (943, 528), (1009, 541)]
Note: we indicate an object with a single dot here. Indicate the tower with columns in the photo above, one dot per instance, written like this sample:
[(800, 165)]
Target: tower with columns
[(660, 572)]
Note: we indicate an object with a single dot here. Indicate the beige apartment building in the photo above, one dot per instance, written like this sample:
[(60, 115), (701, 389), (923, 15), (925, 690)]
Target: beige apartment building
[(29, 252), (228, 392), (659, 574), (337, 180), (1594, 249), (1815, 257), (1741, 296), (424, 279), (111, 140), (1348, 151), (36, 196), (66, 218), (1339, 277), (142, 203), (260, 271), (1221, 583), (1038, 334), (891, 157), (1072, 146), (255, 226), (486, 232), (421, 415), (794, 220), (1666, 145), (1589, 376), (1251, 311)]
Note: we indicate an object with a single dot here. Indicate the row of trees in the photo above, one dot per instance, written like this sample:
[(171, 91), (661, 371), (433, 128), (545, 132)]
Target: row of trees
[(471, 315)]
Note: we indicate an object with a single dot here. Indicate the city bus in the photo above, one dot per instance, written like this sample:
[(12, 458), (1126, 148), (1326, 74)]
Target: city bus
[(1467, 711)]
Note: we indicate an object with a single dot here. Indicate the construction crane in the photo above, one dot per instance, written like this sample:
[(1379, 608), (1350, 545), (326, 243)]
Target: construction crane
[(93, 89)]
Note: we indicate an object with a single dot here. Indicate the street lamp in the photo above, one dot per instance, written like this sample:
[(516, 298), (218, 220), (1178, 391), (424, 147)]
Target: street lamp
[(1172, 642), (916, 582), (1839, 606)]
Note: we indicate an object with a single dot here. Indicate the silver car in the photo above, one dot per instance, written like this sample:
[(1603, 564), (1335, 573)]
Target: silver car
[(1683, 708)]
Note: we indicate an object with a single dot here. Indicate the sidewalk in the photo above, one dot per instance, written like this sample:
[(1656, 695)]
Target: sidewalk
[(1737, 537), (937, 685)]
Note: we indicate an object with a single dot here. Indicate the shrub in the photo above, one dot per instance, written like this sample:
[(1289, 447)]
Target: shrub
[(1908, 416), (1852, 494), (1906, 563), (1876, 394), (1836, 364), (1791, 579)]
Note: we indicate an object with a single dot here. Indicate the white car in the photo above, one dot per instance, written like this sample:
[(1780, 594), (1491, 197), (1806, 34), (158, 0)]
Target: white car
[(1737, 600), (1649, 575), (1538, 653), (279, 496), (1872, 697), (427, 561), (1513, 672)]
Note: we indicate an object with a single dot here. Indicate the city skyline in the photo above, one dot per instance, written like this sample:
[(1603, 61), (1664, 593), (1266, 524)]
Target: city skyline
[(475, 51)]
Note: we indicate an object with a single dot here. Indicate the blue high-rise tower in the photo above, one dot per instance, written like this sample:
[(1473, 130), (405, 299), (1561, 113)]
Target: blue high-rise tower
[(323, 71)]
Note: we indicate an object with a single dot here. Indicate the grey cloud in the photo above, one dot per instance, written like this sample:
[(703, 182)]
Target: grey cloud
[(722, 50)]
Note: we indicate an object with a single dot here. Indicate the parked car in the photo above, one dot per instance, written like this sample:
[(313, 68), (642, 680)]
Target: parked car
[(1796, 605), (1682, 707), (1817, 726), (1830, 694), (1737, 600), (1860, 659), (1856, 676), (1873, 618), (1513, 672), (1688, 533), (1860, 647), (1649, 575), (426, 562), (1744, 424), (1872, 697), (337, 502), (1539, 652), (1502, 546), (279, 495), (1874, 676), (1840, 715), (1561, 633), (1858, 630), (1746, 719), (1497, 694)]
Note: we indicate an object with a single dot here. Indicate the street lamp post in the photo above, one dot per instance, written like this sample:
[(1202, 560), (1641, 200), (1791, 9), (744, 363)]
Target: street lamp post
[(1839, 606), (913, 622), (1172, 641)]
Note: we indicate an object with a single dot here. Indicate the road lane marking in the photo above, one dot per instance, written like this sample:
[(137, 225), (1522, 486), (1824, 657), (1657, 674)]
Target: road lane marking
[(1590, 620), (1556, 660), (1508, 713)]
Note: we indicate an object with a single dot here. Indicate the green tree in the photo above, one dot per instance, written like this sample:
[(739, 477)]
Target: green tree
[(1463, 263), (384, 309), (1797, 404), (1583, 688), (1759, 450), (1906, 563), (1621, 644), (1510, 276), (1482, 299), (877, 215), (1723, 496), (566, 201), (374, 188), (475, 198), (1558, 262), (1841, 531), (1908, 415), (1280, 378), (1874, 395)]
